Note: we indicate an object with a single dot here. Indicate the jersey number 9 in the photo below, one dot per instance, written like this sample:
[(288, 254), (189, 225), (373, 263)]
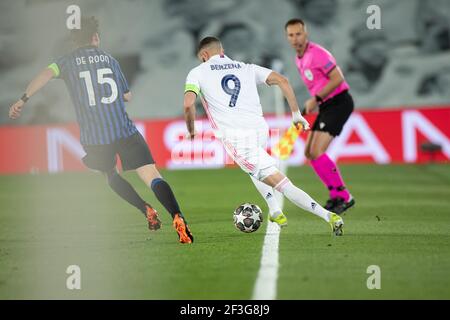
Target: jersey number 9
[(233, 92)]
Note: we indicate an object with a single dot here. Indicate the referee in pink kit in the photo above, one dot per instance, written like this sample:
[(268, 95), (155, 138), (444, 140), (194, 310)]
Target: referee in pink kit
[(330, 92)]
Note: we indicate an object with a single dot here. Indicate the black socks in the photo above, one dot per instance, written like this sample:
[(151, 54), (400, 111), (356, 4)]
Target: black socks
[(126, 191), (161, 188), (164, 194)]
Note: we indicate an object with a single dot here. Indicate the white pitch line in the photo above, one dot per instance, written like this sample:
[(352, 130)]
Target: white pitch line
[(266, 281)]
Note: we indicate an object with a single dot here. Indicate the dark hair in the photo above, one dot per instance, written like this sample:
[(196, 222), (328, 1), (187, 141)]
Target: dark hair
[(206, 42), (294, 21), (83, 36)]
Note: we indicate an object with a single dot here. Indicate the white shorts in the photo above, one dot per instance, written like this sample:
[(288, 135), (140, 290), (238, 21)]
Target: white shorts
[(248, 149)]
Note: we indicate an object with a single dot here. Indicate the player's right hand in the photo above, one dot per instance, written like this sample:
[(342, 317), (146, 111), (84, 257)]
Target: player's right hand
[(298, 121), (16, 109), (303, 125)]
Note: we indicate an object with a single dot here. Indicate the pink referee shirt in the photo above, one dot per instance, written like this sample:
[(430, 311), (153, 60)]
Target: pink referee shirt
[(314, 67)]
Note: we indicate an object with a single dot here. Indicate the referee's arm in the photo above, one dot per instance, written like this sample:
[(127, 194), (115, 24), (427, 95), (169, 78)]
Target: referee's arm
[(336, 78)]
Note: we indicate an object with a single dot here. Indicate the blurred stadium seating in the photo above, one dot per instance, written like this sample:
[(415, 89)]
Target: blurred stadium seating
[(406, 63)]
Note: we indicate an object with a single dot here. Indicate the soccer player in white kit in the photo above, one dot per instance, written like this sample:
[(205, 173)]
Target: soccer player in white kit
[(228, 90)]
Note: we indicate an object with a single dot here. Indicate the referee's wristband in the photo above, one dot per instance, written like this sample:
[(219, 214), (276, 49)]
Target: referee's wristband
[(319, 99), (25, 98)]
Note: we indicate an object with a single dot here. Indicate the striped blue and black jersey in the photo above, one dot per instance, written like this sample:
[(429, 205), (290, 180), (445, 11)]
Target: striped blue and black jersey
[(96, 85)]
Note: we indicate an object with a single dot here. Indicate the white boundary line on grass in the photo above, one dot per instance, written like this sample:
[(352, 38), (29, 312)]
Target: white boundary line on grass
[(266, 281)]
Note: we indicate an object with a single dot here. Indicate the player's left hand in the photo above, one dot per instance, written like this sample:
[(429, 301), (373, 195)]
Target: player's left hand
[(16, 109)]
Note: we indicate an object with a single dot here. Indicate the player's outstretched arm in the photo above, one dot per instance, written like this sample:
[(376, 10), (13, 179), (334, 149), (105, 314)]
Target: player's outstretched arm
[(35, 85), (277, 79), (189, 112)]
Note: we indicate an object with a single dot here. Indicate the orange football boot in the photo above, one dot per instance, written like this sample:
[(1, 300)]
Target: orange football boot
[(152, 217), (184, 233)]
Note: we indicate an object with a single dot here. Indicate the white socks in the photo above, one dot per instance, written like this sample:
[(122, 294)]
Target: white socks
[(301, 199), (294, 194), (268, 194)]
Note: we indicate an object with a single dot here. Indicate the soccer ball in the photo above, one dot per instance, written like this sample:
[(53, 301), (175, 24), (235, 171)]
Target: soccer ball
[(247, 217)]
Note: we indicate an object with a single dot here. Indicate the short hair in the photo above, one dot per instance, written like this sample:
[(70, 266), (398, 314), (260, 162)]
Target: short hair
[(206, 42), (294, 21), (89, 27)]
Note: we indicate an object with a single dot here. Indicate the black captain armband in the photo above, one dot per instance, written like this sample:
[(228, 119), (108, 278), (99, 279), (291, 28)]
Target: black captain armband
[(25, 98)]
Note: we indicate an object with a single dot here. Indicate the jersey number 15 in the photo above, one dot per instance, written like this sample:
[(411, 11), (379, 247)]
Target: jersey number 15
[(86, 75)]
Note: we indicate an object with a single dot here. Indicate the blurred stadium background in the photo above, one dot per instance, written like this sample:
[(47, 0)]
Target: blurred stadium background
[(406, 63), (400, 80)]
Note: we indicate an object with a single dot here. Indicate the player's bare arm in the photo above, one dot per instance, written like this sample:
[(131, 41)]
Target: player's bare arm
[(277, 79), (35, 85), (189, 112), (288, 92), (336, 79)]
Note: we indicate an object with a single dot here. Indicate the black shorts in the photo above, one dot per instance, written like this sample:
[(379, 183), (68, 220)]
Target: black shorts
[(133, 152), (334, 113)]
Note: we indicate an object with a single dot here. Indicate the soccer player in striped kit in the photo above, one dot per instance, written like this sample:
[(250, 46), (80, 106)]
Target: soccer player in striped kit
[(330, 93), (99, 91)]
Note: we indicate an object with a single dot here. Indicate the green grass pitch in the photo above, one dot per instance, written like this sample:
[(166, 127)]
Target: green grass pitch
[(401, 223)]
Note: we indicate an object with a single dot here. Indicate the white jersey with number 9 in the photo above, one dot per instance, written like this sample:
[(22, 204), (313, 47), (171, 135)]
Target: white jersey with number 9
[(229, 92)]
